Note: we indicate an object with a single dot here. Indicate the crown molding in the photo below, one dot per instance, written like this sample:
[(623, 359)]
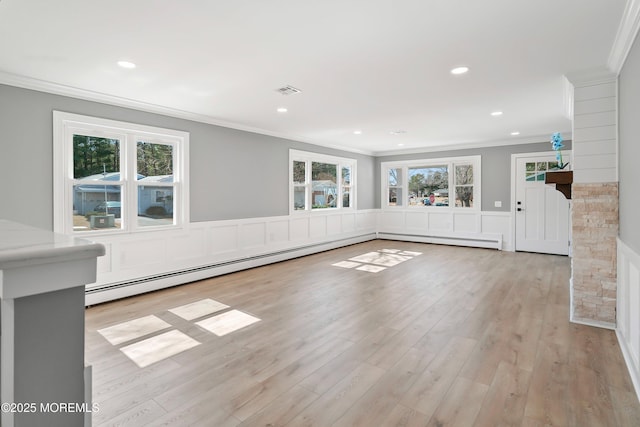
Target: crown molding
[(87, 95), (533, 139), (627, 32)]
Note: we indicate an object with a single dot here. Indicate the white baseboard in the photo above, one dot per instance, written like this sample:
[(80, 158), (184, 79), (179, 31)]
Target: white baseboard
[(477, 241), (594, 323)]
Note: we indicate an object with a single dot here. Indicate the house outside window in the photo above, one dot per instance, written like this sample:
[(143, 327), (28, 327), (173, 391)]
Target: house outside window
[(432, 183), (113, 176), (319, 181)]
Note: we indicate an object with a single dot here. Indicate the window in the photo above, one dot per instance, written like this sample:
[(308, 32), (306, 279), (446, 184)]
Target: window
[(439, 183), (394, 183), (536, 171), (117, 177), (429, 185), (321, 182), (346, 186)]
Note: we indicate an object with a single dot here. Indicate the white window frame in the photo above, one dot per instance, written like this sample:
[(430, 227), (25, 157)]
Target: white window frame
[(310, 157), (65, 125), (451, 163)]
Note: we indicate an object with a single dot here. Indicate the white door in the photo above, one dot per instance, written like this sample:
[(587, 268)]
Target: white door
[(542, 212)]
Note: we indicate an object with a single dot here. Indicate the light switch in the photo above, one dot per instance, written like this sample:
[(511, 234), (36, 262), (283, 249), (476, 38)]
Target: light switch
[(497, 203)]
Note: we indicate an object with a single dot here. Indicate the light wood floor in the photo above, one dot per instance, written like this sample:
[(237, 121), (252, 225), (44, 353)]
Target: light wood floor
[(453, 337)]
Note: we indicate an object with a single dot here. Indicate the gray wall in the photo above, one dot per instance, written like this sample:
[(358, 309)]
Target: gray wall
[(233, 174), (496, 169), (629, 148)]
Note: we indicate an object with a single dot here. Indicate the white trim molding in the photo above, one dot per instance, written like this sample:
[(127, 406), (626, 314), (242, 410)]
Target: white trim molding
[(627, 32), (628, 310), (45, 86), (88, 95)]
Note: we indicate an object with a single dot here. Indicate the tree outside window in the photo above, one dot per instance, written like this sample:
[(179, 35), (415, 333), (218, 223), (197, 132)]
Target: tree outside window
[(464, 186)]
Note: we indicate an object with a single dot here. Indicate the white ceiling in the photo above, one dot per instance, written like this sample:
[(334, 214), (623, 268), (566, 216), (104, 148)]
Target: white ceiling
[(371, 65)]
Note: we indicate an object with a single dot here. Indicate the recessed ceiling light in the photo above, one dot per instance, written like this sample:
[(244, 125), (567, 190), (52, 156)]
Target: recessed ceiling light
[(397, 132), (357, 132), (126, 64), (459, 70), (282, 110), (401, 145), (496, 113), (516, 133)]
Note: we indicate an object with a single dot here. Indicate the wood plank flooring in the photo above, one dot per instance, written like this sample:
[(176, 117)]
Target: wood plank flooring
[(452, 337)]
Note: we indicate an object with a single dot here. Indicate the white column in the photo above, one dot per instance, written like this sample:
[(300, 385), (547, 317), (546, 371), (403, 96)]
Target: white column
[(594, 205), (42, 278)]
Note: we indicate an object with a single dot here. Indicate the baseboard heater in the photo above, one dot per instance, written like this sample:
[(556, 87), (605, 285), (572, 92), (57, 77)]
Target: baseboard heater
[(102, 293), (490, 241)]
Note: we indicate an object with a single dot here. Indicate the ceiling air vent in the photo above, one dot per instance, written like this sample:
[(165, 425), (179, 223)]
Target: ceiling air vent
[(288, 90)]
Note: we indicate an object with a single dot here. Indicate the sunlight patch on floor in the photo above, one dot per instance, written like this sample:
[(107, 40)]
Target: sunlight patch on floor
[(228, 322), (374, 262), (346, 264), (198, 309), (160, 347), (371, 268), (132, 329)]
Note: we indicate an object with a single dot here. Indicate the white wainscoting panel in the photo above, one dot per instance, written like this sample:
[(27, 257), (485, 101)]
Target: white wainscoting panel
[(483, 229), (278, 231), (135, 254), (498, 223), (104, 262), (440, 221), (317, 226), (349, 223), (334, 224), (142, 262), (392, 220), (628, 310), (299, 228), (417, 222), (253, 235), (223, 238), (187, 246), (466, 223), (367, 222)]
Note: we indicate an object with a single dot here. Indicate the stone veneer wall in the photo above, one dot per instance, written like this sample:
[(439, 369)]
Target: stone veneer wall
[(594, 216)]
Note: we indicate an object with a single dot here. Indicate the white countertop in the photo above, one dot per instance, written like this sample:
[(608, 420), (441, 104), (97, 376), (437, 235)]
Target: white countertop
[(21, 246)]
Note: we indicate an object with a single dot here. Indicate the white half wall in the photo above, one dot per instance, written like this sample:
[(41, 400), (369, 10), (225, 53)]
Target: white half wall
[(144, 262), (478, 229), (628, 310)]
